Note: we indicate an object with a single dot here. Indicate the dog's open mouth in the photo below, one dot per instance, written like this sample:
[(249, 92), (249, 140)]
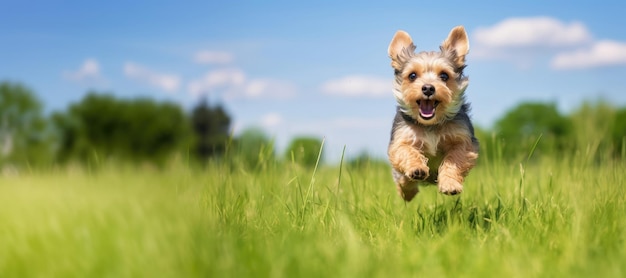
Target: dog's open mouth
[(427, 108)]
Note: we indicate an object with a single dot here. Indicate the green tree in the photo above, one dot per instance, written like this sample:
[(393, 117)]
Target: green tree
[(24, 134), (618, 133), (211, 126), (593, 121), (305, 151), (521, 127), (101, 126), (360, 161), (490, 145), (255, 148)]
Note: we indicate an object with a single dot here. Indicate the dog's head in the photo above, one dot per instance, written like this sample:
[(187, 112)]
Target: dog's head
[(429, 86)]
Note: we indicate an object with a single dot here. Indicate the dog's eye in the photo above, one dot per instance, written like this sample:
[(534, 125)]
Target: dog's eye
[(444, 76), (412, 76)]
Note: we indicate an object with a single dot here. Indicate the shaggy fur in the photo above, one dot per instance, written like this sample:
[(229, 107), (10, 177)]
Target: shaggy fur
[(432, 138)]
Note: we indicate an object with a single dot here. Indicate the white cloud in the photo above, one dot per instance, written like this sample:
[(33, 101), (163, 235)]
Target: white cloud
[(358, 85), (601, 53), (232, 83), (89, 72), (213, 57), (217, 80), (527, 41), (271, 120), (263, 87), (532, 32), (166, 82)]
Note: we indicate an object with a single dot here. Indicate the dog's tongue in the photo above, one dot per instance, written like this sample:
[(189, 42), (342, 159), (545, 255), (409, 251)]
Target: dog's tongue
[(427, 108)]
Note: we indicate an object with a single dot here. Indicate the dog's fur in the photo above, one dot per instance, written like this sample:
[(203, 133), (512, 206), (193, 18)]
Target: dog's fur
[(432, 139)]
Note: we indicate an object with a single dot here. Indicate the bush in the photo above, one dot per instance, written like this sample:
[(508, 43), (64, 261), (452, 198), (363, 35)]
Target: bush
[(305, 151)]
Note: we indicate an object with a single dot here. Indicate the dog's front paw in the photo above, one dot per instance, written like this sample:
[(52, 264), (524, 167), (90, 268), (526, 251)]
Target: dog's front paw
[(450, 186), (418, 174)]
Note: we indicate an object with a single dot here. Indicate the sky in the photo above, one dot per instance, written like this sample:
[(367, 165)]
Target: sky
[(310, 68)]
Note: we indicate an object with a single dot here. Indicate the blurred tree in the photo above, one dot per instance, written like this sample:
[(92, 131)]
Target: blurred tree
[(24, 133), (211, 126), (102, 125), (490, 147), (304, 151), (521, 127), (593, 121), (255, 148), (618, 133), (362, 160)]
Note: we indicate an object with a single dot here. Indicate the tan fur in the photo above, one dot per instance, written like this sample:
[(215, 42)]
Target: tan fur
[(457, 40), (440, 149)]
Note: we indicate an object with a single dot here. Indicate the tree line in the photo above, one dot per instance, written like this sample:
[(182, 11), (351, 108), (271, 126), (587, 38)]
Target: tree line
[(102, 127), (596, 129)]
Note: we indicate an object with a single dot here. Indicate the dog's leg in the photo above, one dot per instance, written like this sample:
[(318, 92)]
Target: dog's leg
[(407, 188), (455, 166), (409, 166)]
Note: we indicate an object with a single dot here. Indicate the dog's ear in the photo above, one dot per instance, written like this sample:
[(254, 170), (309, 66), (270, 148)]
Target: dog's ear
[(401, 45), (458, 43)]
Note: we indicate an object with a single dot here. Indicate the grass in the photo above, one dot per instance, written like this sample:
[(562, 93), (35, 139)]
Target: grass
[(560, 217)]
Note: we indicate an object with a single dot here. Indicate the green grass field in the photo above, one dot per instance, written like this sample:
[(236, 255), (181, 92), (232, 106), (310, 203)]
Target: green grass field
[(560, 217)]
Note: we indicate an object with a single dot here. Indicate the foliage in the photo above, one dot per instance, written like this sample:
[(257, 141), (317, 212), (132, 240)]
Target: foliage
[(254, 148), (592, 121), (211, 126), (304, 151), (618, 132), (24, 134), (360, 160), (522, 126), (490, 145), (101, 126), (364, 160)]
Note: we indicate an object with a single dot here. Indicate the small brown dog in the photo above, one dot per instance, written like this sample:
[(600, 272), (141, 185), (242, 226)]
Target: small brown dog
[(432, 138)]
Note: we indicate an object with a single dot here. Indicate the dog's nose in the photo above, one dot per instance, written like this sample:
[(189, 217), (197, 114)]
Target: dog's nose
[(428, 90)]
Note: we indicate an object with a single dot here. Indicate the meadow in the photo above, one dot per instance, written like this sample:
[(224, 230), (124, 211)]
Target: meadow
[(542, 217)]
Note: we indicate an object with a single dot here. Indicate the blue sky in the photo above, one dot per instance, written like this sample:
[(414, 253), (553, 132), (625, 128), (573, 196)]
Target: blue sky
[(316, 68)]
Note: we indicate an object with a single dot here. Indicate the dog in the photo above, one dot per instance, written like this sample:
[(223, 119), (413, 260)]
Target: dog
[(432, 137)]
